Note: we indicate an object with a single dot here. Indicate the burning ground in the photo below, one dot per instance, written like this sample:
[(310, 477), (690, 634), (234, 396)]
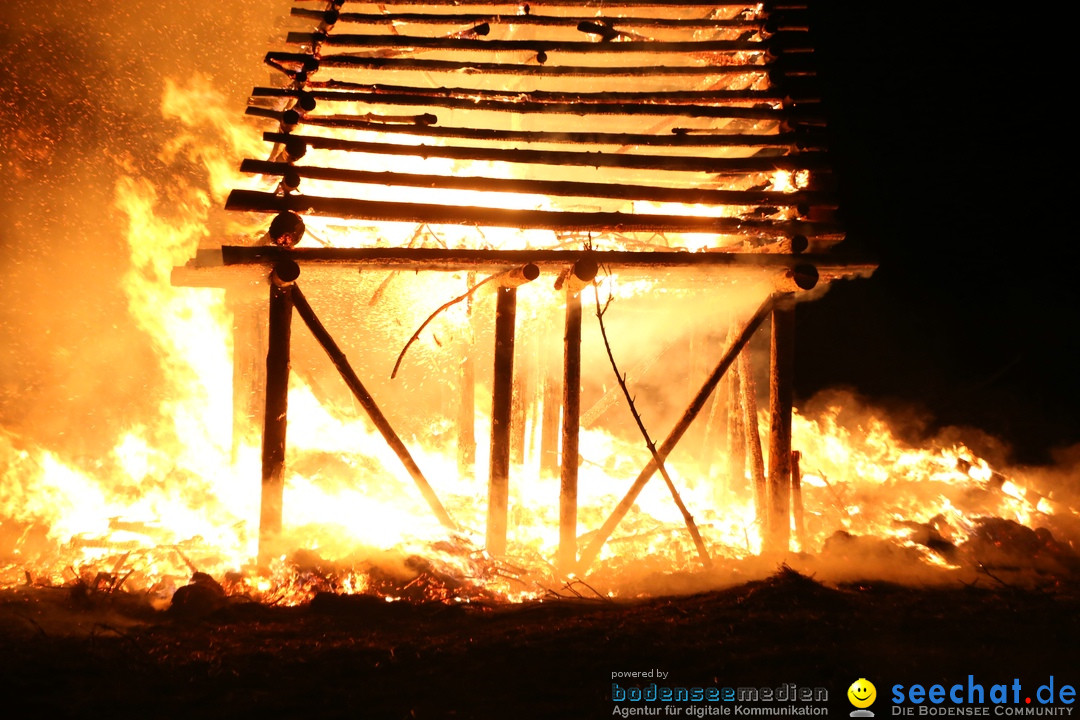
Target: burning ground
[(82, 652), (122, 470)]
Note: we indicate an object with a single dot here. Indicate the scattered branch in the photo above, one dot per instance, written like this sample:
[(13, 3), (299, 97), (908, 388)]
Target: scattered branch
[(569, 586), (32, 621), (416, 335), (986, 571), (377, 295), (191, 565), (598, 594), (120, 583), (836, 495), (703, 553)]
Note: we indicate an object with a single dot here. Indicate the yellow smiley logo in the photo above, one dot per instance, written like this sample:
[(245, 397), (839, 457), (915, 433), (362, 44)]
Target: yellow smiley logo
[(862, 693)]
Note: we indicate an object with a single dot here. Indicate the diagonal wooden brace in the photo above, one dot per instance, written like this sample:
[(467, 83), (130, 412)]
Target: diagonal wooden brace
[(589, 553), (303, 309)]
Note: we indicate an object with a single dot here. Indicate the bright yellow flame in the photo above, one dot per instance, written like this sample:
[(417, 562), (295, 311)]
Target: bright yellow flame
[(179, 492)]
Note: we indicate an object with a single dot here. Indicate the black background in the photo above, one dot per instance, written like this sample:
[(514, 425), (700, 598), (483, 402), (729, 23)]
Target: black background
[(950, 138)]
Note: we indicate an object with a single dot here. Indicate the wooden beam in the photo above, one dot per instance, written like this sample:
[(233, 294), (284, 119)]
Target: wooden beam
[(526, 103), (781, 392), (275, 416), (571, 409), (567, 221), (577, 47), (362, 62), (233, 260), (583, 272), (551, 417), (418, 125), (574, 3), (523, 380), (736, 435), (588, 555), (614, 191), (329, 89), (216, 268), (677, 163), (461, 19), (502, 397)]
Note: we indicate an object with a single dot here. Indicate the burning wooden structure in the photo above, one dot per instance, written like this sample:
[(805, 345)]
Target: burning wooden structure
[(515, 144)]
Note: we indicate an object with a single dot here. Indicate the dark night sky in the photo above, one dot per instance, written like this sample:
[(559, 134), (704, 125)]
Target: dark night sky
[(947, 124), (946, 129)]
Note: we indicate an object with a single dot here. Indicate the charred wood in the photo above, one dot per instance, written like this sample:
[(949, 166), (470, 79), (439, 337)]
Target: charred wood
[(571, 418), (567, 46), (488, 68), (757, 163), (518, 19), (423, 125), (544, 187), (568, 221), (275, 418), (781, 391), (502, 397)]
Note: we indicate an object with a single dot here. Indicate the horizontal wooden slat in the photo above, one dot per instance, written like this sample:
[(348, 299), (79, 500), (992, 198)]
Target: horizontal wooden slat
[(612, 191), (397, 64), (239, 266), (695, 75), (413, 42), (804, 161), (452, 260), (519, 19), (664, 97), (756, 112), (567, 3), (432, 214)]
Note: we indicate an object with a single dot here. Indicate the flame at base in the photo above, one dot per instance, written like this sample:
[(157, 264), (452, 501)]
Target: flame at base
[(177, 495)]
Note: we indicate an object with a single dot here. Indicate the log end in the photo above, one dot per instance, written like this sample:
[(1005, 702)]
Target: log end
[(286, 229)]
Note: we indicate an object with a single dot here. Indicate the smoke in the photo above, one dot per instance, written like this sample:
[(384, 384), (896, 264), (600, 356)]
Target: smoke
[(81, 107)]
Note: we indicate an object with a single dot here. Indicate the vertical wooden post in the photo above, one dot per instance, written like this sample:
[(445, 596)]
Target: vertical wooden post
[(796, 500), (502, 397), (275, 418), (466, 443), (571, 419), (715, 427), (519, 416), (755, 456), (736, 433), (549, 420), (781, 392)]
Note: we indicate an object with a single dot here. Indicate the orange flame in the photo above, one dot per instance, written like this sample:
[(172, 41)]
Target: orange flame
[(179, 493)]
